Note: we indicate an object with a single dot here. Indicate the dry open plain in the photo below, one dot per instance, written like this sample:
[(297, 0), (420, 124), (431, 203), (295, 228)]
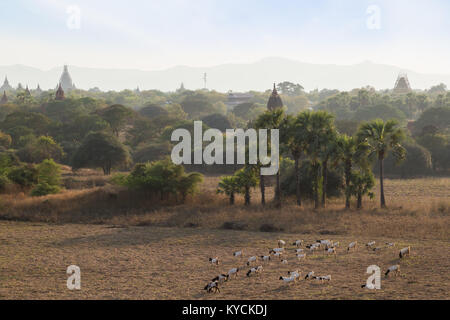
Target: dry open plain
[(153, 256)]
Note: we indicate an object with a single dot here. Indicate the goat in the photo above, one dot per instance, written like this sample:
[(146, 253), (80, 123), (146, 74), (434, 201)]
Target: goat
[(234, 272), (370, 244), (237, 254), (276, 250), (250, 260), (281, 243), (331, 251), (301, 256), (295, 274), (265, 258), (323, 278), (288, 279), (299, 251), (405, 252), (352, 245), (395, 269), (284, 261), (298, 243), (310, 275), (390, 244), (278, 254), (221, 278), (255, 271), (214, 261), (212, 287)]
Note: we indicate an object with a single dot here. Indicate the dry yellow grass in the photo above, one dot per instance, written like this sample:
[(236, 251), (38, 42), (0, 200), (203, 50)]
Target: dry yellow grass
[(172, 263), (132, 247)]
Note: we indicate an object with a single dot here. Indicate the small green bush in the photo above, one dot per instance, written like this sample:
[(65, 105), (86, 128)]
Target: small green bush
[(43, 189)]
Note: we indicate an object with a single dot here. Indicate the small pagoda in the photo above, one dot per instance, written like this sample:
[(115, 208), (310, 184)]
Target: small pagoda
[(402, 85), (4, 99), (275, 101), (6, 86), (60, 93)]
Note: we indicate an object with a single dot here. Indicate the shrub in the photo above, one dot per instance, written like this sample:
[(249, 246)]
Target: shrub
[(4, 181), (161, 178), (24, 176), (43, 189)]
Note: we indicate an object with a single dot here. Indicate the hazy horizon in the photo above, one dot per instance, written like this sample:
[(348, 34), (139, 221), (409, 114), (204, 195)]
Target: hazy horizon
[(412, 35)]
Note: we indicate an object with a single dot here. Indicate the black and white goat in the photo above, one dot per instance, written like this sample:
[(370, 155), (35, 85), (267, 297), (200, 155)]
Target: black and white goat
[(393, 269), (212, 287), (214, 261)]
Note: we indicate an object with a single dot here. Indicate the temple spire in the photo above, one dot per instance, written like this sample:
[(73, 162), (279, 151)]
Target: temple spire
[(60, 93), (4, 98), (275, 101)]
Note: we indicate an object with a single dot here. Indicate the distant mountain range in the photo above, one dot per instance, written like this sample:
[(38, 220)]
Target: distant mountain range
[(237, 77)]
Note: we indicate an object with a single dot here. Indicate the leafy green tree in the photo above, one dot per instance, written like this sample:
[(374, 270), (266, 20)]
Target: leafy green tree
[(163, 178), (24, 176), (117, 116), (247, 178), (100, 150), (289, 88), (230, 187), (40, 149), (382, 138), (49, 179), (5, 140)]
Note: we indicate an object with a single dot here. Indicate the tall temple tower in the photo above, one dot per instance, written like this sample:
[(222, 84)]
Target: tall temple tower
[(66, 80), (60, 93), (6, 86), (402, 84), (4, 99), (275, 101)]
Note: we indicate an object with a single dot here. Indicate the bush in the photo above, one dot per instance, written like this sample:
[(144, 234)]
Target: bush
[(24, 176), (4, 181), (49, 173), (43, 189), (161, 178)]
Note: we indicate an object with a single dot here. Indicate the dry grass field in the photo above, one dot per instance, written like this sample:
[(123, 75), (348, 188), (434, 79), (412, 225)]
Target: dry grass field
[(130, 249)]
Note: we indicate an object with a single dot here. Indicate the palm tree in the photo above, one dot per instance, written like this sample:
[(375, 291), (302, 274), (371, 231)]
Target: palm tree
[(330, 151), (318, 130), (271, 120), (247, 178), (351, 152), (229, 186), (294, 138), (382, 137)]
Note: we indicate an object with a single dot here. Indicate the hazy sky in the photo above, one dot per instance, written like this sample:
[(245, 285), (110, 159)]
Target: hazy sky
[(156, 34)]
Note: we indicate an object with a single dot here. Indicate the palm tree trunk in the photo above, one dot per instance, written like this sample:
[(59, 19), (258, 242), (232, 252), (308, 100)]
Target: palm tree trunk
[(262, 185), (324, 182), (348, 168), (297, 182), (278, 191), (232, 198), (382, 199), (247, 196), (316, 168)]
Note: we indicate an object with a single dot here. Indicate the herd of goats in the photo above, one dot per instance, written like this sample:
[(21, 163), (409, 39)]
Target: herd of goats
[(329, 247)]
